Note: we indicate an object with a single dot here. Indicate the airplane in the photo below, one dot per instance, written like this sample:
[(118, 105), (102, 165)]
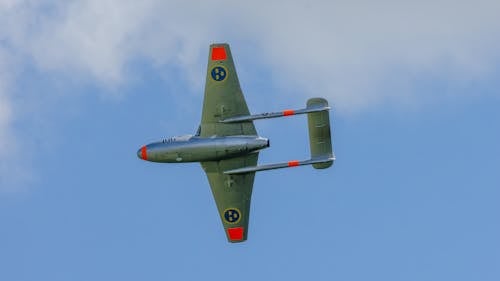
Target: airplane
[(227, 144)]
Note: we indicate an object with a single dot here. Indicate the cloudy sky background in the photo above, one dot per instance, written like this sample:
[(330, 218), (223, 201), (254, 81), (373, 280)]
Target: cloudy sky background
[(415, 91)]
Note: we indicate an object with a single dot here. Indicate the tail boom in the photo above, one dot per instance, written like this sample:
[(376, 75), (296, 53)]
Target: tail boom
[(287, 112), (294, 163)]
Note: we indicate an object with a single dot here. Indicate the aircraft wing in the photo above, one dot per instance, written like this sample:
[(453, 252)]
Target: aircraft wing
[(232, 193), (223, 96)]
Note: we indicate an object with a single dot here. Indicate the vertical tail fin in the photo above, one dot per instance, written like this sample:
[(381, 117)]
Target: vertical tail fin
[(320, 140)]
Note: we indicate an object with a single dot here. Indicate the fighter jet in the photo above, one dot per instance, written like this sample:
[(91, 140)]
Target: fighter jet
[(227, 144)]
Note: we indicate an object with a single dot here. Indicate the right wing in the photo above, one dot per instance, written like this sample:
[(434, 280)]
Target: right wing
[(232, 193), (223, 97)]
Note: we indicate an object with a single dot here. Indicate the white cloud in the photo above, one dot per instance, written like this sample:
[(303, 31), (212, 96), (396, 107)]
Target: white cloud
[(10, 166), (358, 53), (5, 120), (362, 52), (347, 50)]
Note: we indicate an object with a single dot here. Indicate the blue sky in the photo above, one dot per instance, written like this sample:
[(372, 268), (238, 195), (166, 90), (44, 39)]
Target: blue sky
[(413, 194)]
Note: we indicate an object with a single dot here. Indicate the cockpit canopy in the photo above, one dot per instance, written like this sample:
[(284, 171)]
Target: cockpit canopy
[(177, 138)]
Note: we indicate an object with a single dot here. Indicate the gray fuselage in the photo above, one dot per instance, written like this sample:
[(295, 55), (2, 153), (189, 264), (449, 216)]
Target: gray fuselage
[(198, 149)]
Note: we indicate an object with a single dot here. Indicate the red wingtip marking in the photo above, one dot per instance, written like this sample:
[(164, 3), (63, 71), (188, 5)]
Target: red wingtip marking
[(144, 153), (218, 53), (235, 233), (293, 163), (288, 112)]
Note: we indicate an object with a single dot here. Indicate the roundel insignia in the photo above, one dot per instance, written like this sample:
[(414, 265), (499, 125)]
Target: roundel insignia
[(218, 73), (232, 215)]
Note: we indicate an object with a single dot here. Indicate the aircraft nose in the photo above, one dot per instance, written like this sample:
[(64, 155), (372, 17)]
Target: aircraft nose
[(142, 153)]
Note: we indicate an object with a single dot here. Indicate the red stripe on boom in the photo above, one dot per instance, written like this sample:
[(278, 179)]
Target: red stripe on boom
[(218, 53), (293, 163), (288, 112), (235, 233)]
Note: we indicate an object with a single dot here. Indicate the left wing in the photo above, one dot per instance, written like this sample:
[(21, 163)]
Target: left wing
[(232, 193), (223, 96)]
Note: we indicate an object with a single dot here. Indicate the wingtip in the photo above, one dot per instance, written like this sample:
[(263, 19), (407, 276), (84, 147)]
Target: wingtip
[(220, 44), (236, 234)]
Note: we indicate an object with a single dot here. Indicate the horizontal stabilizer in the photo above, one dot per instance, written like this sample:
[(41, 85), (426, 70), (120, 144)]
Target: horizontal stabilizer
[(288, 112), (289, 164), (320, 139)]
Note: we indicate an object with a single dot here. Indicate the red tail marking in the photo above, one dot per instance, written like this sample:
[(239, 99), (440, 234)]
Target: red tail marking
[(288, 112), (218, 53), (293, 163), (235, 233), (144, 153)]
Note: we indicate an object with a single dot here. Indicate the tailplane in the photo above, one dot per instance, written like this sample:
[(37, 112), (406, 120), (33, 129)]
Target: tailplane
[(320, 140)]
